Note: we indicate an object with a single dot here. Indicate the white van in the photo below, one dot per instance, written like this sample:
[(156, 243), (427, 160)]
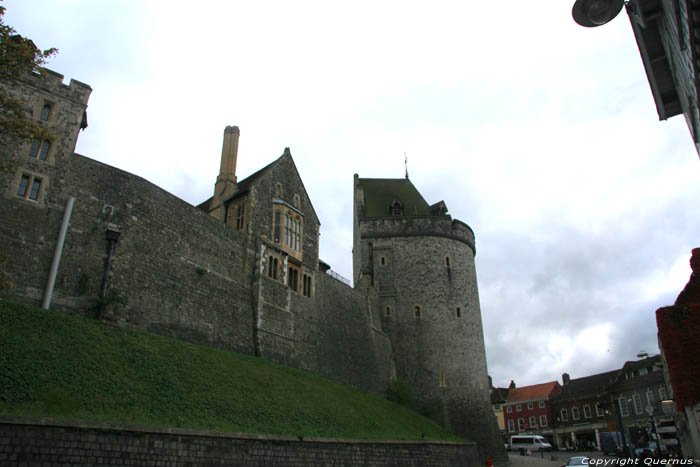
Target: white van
[(529, 442)]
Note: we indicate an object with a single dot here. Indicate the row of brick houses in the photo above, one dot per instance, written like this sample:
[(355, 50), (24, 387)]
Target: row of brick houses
[(656, 397), (571, 415)]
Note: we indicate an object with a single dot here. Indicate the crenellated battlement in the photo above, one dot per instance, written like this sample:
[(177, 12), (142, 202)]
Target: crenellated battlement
[(53, 83), (423, 226)]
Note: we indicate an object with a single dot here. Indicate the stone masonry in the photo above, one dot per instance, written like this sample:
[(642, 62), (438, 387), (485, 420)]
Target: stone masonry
[(241, 271), (70, 443)]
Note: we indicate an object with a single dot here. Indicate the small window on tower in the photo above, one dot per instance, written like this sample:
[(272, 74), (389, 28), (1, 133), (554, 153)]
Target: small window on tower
[(417, 313), (396, 208), (447, 261), (387, 311), (459, 312), (382, 260), (29, 187), (45, 112), (34, 148), (23, 184), (44, 151)]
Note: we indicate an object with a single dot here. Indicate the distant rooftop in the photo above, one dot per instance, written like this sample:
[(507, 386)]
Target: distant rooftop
[(534, 392)]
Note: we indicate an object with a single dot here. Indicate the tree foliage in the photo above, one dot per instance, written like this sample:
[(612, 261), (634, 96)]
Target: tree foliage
[(18, 55)]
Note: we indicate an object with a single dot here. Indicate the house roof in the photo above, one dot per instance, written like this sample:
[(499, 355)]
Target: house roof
[(380, 193), (534, 392), (588, 384), (636, 365), (499, 395)]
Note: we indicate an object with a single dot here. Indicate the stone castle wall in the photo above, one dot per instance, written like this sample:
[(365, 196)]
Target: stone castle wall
[(186, 275), (174, 270), (116, 445), (178, 271), (181, 272), (330, 333)]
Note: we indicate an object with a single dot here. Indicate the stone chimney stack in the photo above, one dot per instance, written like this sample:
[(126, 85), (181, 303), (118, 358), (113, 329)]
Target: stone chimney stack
[(565, 378), (226, 181), (229, 153)]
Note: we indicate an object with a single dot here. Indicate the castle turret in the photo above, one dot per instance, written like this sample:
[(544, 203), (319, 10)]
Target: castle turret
[(226, 181), (421, 263)]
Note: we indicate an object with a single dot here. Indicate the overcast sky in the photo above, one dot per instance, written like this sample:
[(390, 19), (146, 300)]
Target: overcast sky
[(538, 133)]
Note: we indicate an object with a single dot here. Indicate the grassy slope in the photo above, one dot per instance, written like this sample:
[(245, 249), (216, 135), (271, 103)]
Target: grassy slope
[(57, 365)]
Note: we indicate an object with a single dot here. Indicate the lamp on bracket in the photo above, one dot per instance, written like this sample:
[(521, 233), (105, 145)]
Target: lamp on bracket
[(592, 13)]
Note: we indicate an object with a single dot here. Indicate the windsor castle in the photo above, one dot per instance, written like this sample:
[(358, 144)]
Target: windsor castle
[(241, 271)]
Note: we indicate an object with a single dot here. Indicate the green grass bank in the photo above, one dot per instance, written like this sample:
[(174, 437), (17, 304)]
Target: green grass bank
[(56, 365)]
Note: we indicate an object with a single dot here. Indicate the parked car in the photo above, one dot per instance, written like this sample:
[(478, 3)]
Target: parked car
[(650, 447), (530, 443), (577, 460)]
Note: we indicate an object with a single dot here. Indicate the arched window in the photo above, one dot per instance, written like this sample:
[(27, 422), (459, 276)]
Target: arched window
[(396, 208), (45, 112), (417, 313), (459, 312), (387, 311)]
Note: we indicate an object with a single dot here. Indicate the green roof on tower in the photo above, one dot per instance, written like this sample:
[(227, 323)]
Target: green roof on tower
[(382, 194)]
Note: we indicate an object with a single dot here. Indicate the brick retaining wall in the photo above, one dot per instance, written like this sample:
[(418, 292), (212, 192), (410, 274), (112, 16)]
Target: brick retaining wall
[(30, 441)]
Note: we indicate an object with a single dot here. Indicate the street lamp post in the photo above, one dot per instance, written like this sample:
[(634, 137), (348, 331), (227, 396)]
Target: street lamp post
[(592, 13), (621, 427)]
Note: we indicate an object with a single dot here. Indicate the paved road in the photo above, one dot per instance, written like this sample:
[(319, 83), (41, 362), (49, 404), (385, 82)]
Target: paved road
[(551, 459)]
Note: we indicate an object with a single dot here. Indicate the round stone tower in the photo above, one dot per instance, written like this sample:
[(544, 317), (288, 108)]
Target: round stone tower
[(420, 262)]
